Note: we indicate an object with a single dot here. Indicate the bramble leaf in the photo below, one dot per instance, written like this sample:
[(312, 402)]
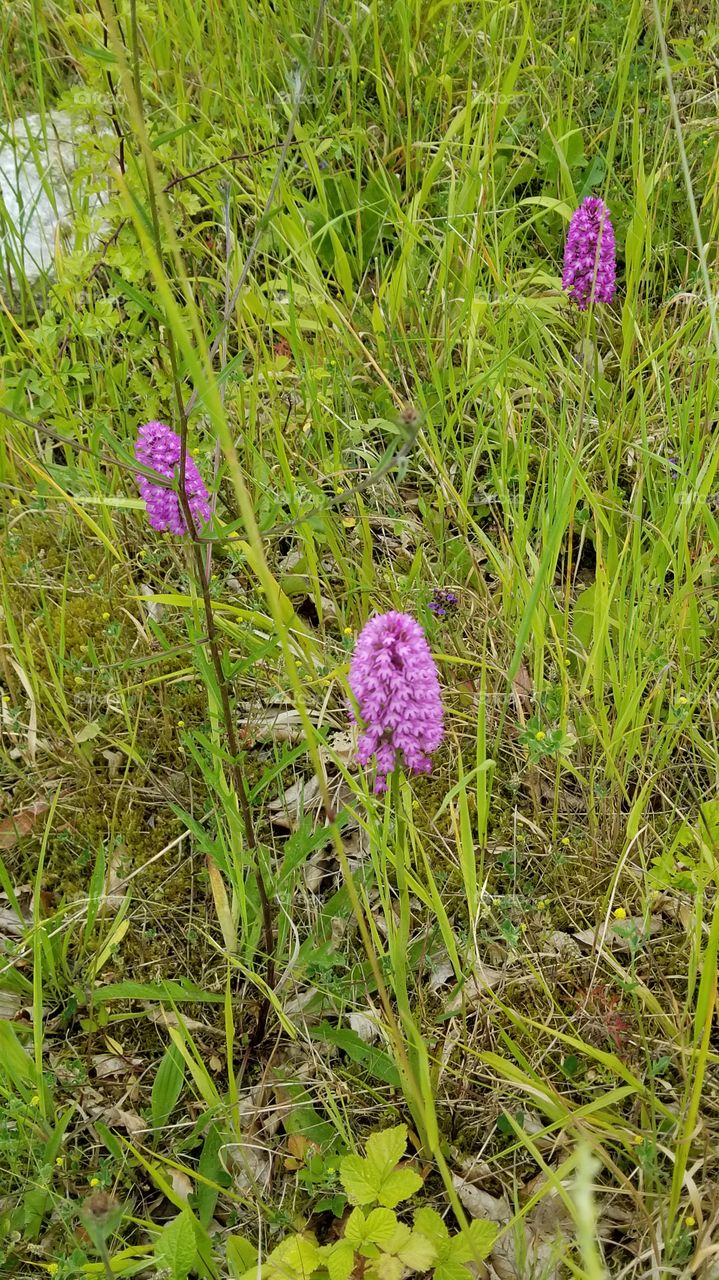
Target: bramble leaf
[(340, 1261), (400, 1185)]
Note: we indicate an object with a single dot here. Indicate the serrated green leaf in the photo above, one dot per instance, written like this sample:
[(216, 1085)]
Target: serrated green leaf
[(399, 1237), (176, 1246), (240, 1254), (356, 1179), (340, 1261), (418, 1253), (450, 1269), (388, 1267), (296, 1256), (429, 1222), (482, 1234), (355, 1227), (400, 1185), (384, 1152), (380, 1227)]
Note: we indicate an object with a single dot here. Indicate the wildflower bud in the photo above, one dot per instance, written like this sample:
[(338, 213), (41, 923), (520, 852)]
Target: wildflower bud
[(394, 680), (158, 448)]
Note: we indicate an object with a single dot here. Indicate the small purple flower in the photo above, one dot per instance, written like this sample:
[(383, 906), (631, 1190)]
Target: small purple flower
[(442, 602), (394, 680), (589, 254), (158, 449)]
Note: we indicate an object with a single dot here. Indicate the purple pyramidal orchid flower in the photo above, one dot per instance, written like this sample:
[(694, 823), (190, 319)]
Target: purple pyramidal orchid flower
[(589, 255), (158, 449), (394, 680)]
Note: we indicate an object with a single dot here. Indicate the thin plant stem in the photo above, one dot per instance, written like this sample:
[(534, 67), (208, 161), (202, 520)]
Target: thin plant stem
[(237, 773)]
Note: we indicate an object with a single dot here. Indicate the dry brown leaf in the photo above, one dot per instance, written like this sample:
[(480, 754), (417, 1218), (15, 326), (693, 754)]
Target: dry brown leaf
[(9, 1005), (21, 823), (364, 1026), (182, 1185), (619, 934), (155, 610), (167, 1018), (280, 724), (341, 746), (110, 1065), (249, 1163), (544, 1234), (287, 810), (96, 1107), (315, 870), (114, 760), (442, 973), (523, 691), (563, 944), (11, 925), (483, 979), (480, 1204)]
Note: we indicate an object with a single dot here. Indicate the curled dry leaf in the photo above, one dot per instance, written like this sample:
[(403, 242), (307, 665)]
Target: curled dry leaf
[(112, 1066), (96, 1107), (366, 1027), (155, 610), (249, 1164), (11, 925), (563, 944), (621, 935), (114, 760), (442, 973), (277, 723), (545, 1231), (288, 809), (483, 980), (182, 1185), (9, 1005), (163, 1017), (341, 746), (21, 823), (315, 870), (480, 1204)]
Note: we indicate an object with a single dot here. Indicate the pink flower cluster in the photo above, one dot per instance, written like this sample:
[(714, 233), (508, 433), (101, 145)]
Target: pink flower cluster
[(394, 681), (158, 449), (589, 256)]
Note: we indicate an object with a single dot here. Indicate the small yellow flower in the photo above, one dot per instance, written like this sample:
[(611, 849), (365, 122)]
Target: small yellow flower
[(682, 700), (690, 1221), (180, 724), (347, 632), (60, 1162), (637, 1139), (540, 735), (106, 616), (523, 927), (52, 1268), (91, 577), (565, 840), (94, 1182), (541, 904), (35, 1100), (6, 698), (620, 913), (14, 502)]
